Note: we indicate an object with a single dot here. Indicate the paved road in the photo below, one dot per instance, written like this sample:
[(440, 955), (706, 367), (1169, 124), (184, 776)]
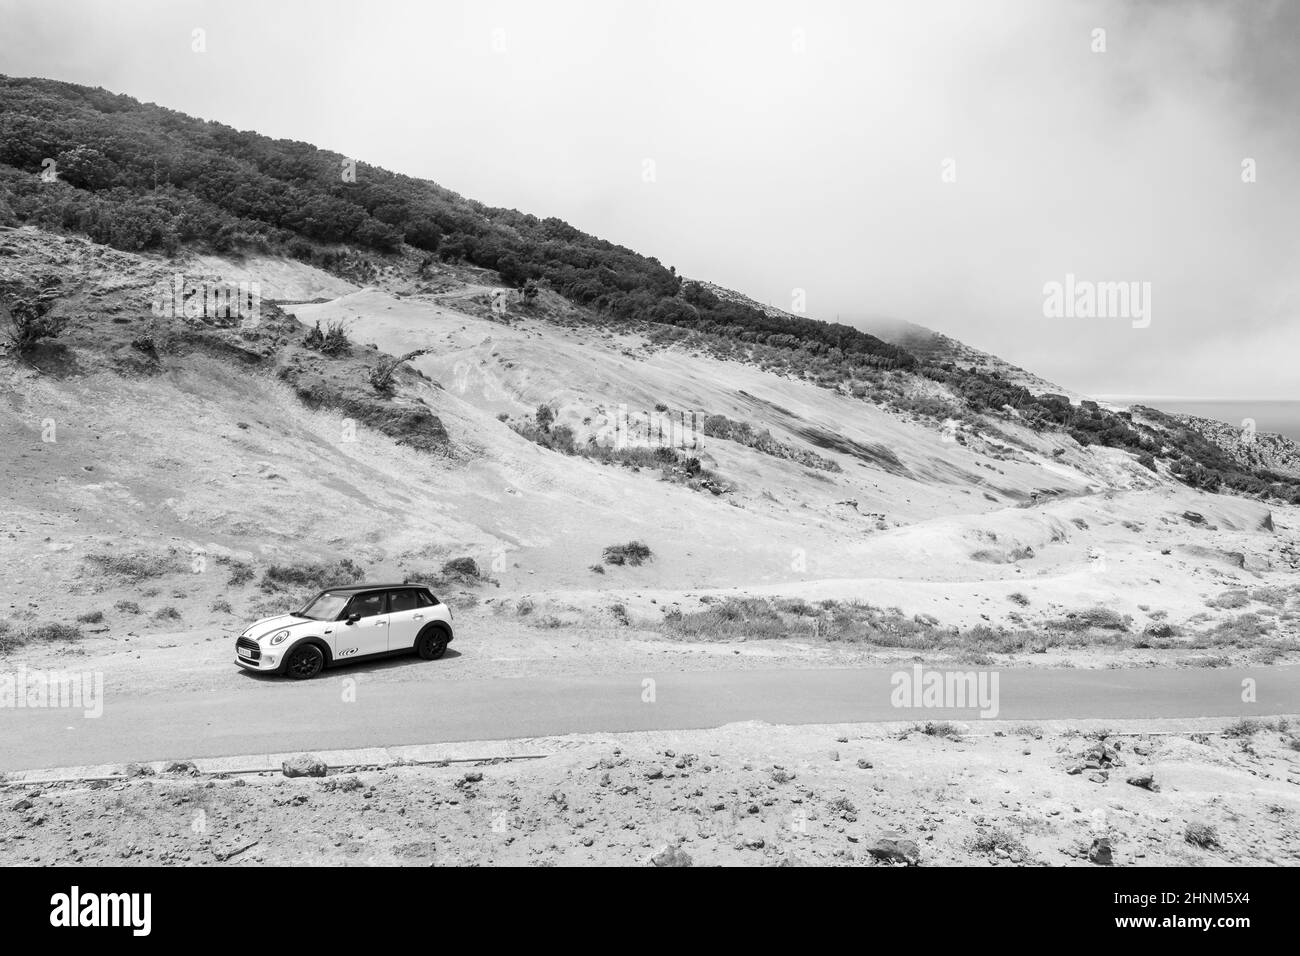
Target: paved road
[(269, 715)]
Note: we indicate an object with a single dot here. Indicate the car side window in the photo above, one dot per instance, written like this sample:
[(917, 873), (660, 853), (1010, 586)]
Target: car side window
[(406, 600), (366, 605), (422, 599)]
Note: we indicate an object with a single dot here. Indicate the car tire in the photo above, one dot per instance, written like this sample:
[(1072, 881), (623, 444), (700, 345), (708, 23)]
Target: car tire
[(432, 643), (304, 662)]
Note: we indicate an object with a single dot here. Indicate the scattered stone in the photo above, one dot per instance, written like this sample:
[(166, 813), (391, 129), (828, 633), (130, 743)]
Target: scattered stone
[(864, 764), (471, 776), (1100, 756)]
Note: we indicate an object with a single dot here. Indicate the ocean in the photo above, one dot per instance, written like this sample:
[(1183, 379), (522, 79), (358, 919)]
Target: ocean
[(1282, 417)]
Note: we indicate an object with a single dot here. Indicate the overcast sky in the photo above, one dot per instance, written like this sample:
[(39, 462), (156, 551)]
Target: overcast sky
[(772, 147)]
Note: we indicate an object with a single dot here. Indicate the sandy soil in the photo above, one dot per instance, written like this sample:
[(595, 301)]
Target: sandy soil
[(743, 794)]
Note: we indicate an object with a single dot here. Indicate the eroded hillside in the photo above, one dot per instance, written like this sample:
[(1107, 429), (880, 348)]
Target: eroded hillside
[(170, 477)]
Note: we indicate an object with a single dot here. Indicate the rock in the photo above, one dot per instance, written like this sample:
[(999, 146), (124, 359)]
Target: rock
[(1194, 517), (1146, 780), (180, 766), (755, 843), (1267, 523), (671, 856), (864, 764), (1099, 776), (304, 765), (894, 847), (1101, 756), (23, 804), (834, 755), (474, 776), (654, 773), (139, 770), (1100, 852)]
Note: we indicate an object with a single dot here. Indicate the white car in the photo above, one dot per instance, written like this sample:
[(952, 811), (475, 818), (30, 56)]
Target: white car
[(344, 624)]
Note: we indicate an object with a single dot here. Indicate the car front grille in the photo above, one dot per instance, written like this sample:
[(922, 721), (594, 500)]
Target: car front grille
[(255, 652)]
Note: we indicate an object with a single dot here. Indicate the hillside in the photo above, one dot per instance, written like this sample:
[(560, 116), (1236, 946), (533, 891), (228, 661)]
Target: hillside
[(1257, 450), (836, 498)]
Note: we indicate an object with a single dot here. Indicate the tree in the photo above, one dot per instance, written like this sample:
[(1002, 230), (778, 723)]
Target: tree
[(545, 416), (424, 234), (381, 376), (86, 168)]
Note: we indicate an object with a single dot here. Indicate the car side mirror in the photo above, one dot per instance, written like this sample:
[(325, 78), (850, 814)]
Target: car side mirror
[(352, 619)]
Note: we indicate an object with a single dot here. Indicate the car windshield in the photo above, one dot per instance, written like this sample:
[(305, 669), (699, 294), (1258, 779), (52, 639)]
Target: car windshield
[(326, 607)]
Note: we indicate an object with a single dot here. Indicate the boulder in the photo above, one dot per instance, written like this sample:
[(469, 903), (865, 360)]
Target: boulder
[(304, 765), (1144, 779), (671, 856), (1100, 852), (895, 848)]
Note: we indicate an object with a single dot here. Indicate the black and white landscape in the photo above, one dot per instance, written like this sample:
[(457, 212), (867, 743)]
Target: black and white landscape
[(842, 435)]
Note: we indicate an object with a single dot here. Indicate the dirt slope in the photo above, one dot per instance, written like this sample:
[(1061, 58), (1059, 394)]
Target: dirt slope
[(205, 461)]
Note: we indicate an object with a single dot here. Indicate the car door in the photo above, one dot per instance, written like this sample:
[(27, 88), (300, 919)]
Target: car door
[(368, 634), (407, 613)]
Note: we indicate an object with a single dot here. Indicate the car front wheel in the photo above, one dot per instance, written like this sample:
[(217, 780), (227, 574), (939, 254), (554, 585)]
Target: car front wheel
[(304, 662), (432, 644)]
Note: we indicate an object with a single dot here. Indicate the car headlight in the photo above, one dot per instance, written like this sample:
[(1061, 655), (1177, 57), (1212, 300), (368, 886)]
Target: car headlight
[(279, 637)]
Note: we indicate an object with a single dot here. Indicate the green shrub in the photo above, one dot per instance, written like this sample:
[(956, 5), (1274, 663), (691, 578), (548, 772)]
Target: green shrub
[(136, 565), (53, 632), (315, 576), (332, 340), (1201, 835), (633, 553)]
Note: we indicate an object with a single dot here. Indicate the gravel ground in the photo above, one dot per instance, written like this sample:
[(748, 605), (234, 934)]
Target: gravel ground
[(744, 794)]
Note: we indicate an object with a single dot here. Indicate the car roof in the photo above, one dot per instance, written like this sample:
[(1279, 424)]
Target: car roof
[(357, 588)]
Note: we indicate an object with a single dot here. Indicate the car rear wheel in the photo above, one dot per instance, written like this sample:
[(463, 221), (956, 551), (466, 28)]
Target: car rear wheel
[(432, 644), (304, 662)]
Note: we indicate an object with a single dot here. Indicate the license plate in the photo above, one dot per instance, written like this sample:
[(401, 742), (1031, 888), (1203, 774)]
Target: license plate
[(245, 652)]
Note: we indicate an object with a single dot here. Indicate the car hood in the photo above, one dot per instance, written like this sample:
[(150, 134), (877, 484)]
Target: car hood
[(269, 625)]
